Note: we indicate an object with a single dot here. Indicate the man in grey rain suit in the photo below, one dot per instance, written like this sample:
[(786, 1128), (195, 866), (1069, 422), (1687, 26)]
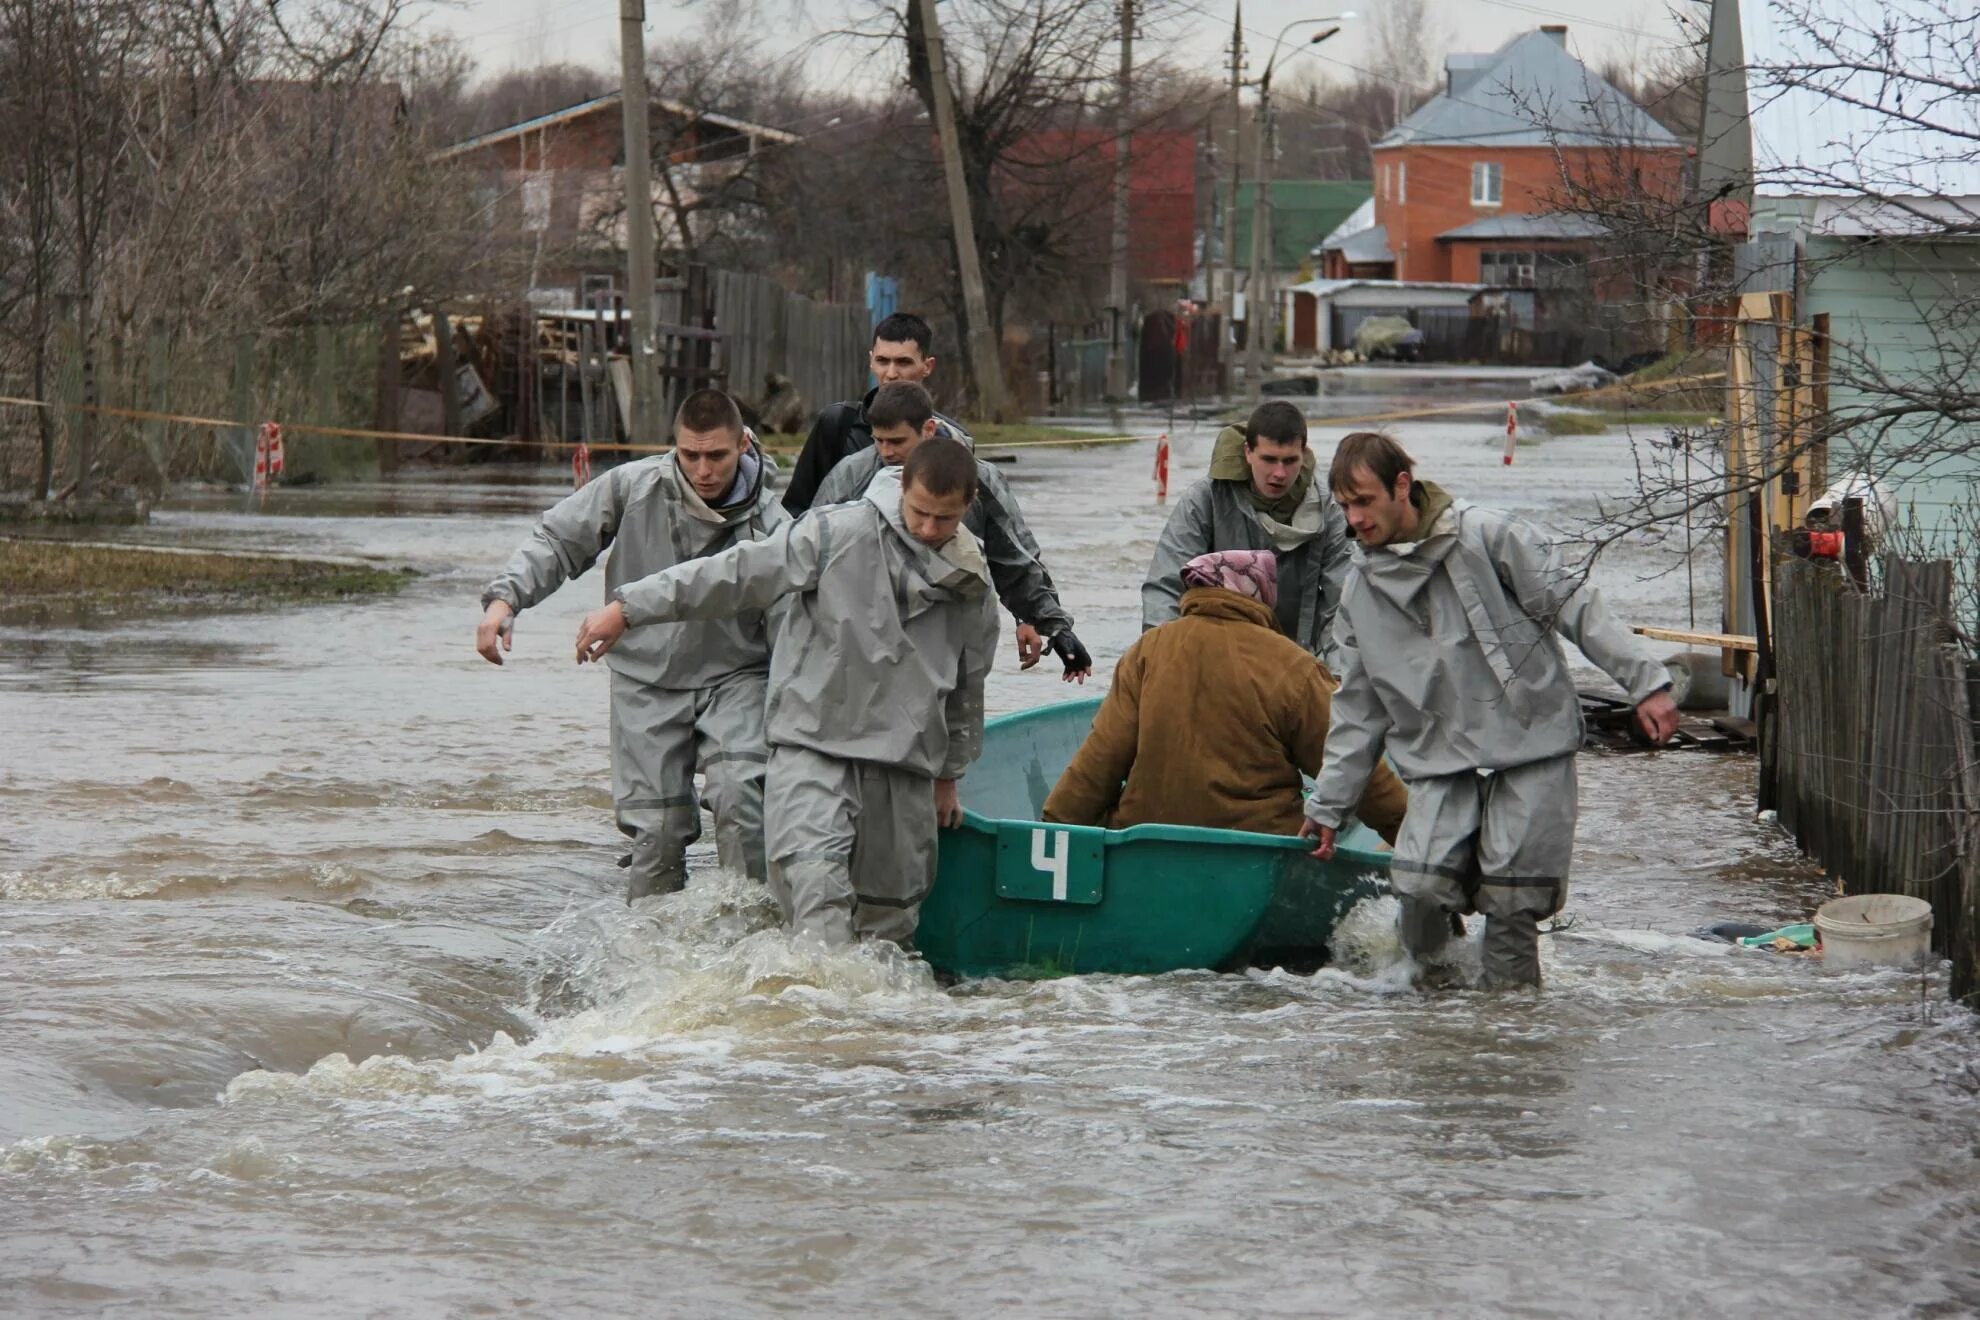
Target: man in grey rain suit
[(684, 695), (900, 415), (1449, 628), (1262, 494), (876, 686)]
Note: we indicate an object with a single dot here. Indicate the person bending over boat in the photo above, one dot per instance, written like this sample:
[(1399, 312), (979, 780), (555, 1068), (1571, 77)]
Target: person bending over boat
[(901, 415), (1450, 628), (684, 696), (876, 685), (1260, 495), (1212, 718)]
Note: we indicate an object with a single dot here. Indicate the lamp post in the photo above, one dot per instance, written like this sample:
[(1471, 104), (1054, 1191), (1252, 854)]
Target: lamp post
[(1258, 320)]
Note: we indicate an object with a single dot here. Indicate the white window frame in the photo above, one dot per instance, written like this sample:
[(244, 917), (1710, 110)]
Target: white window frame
[(1402, 181), (1488, 179)]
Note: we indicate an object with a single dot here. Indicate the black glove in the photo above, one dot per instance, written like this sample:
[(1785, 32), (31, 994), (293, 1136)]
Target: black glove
[(1068, 648)]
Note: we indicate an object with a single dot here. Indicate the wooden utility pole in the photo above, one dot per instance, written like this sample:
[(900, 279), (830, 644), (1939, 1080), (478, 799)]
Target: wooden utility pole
[(1230, 210), (985, 362), (1117, 286), (1256, 316), (647, 426), (1237, 163)]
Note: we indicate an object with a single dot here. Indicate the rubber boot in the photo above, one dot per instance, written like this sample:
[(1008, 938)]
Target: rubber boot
[(1512, 950), (655, 869), (817, 900)]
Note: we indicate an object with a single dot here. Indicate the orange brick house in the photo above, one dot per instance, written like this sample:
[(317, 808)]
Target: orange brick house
[(1467, 189)]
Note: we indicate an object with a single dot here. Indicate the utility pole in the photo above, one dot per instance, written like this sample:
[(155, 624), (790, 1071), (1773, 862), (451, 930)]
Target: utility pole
[(985, 361), (1230, 210), (646, 424), (1255, 296), (1117, 288)]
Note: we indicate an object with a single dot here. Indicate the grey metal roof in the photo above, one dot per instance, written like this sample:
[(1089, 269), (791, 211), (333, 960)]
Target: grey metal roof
[(1528, 93), (1370, 245), (1360, 218), (1529, 227)]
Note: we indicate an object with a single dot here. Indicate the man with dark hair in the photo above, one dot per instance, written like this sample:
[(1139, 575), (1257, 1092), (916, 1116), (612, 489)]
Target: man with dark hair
[(901, 416), (903, 349), (1461, 611), (686, 696), (1260, 495), (876, 692)]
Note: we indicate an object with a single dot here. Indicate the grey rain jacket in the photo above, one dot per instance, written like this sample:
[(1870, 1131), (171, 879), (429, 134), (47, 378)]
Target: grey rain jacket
[(883, 645), (644, 512), (1017, 565), (1452, 656), (1313, 561)]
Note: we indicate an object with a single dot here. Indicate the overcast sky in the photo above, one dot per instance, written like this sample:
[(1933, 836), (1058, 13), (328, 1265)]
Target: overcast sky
[(504, 34)]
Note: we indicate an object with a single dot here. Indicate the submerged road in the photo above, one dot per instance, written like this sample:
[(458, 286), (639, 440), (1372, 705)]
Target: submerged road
[(317, 999)]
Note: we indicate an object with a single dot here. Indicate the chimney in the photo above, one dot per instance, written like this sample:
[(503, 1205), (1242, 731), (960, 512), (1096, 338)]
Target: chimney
[(1558, 31)]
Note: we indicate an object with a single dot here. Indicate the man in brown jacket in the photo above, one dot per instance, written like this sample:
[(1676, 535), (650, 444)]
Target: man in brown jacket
[(1212, 718)]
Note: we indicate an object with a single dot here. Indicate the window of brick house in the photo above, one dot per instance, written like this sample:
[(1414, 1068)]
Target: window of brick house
[(1486, 180), (1402, 181)]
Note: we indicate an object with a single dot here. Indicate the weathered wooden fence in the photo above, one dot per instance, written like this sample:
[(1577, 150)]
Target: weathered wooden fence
[(1871, 757), (766, 329)]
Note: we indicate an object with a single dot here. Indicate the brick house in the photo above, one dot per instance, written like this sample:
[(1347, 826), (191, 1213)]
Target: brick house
[(1466, 187)]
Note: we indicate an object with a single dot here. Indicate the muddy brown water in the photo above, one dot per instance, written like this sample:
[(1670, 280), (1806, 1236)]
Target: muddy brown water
[(316, 999)]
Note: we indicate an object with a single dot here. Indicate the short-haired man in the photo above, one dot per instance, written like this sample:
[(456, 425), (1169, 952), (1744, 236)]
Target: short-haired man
[(903, 349), (876, 693), (901, 415), (1449, 629), (1261, 494), (686, 696)]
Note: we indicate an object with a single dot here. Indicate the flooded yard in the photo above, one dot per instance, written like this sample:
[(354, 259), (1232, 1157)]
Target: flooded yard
[(317, 997)]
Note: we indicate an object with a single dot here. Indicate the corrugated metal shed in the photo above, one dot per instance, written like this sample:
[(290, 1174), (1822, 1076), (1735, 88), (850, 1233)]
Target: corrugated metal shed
[(1849, 100), (1528, 93)]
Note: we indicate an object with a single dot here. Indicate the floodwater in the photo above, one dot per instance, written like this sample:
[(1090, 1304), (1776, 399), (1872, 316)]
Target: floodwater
[(317, 999)]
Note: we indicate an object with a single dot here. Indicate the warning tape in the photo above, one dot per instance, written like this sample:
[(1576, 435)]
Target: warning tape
[(499, 442), (571, 446)]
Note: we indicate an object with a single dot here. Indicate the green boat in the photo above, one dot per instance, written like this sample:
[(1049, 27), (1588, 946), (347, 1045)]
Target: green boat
[(1018, 898)]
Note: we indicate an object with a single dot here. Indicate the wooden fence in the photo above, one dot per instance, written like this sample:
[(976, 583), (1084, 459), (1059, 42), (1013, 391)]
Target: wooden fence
[(1871, 756), (821, 347)]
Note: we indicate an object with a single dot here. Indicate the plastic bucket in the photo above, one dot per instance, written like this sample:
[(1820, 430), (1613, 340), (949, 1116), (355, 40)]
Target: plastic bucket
[(1874, 930)]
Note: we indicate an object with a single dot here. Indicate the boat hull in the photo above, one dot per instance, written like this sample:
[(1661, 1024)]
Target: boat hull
[(1016, 897)]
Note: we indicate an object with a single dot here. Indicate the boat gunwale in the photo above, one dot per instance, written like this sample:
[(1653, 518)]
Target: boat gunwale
[(1154, 832)]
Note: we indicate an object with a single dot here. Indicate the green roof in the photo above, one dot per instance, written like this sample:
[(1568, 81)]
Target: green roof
[(1304, 211)]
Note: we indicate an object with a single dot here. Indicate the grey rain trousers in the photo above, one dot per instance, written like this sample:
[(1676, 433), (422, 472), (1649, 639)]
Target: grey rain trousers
[(1497, 844), (852, 846), (660, 737)]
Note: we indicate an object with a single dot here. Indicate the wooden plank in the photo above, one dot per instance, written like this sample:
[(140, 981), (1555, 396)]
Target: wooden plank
[(1709, 640)]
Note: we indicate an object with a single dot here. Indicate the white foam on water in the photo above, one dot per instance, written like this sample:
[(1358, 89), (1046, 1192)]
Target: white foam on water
[(680, 982)]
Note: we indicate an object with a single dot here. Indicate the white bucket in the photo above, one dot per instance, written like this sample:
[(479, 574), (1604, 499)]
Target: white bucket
[(1874, 930)]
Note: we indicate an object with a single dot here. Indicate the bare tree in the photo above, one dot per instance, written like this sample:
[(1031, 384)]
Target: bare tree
[(182, 176), (1405, 53)]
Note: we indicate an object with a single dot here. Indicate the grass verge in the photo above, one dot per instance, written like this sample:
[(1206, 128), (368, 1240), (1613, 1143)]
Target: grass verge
[(1028, 433), (1575, 421), (44, 570)]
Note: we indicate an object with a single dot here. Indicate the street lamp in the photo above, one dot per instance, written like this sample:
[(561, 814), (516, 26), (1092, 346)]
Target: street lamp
[(1258, 319)]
